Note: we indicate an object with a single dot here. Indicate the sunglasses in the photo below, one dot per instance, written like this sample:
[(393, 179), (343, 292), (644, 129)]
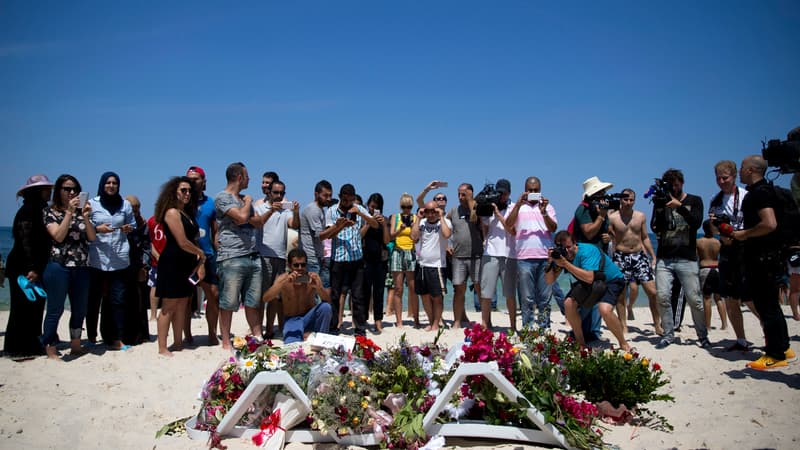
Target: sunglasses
[(69, 188), (185, 190), (405, 207), (428, 211), (299, 265), (278, 192), (440, 199)]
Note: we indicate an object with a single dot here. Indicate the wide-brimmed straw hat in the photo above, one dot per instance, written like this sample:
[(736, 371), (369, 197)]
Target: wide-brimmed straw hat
[(34, 181), (593, 185)]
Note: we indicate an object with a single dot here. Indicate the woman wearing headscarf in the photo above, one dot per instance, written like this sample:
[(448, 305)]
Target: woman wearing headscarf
[(113, 219), (181, 259), (67, 272), (25, 266)]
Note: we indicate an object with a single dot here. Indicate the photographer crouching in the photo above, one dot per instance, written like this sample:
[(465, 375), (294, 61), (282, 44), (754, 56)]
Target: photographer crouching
[(599, 282)]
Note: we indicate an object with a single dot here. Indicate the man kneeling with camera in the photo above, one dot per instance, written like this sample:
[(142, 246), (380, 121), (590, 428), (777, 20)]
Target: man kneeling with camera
[(299, 290), (599, 281)]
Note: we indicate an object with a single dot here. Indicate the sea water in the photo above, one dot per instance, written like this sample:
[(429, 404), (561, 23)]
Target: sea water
[(6, 242)]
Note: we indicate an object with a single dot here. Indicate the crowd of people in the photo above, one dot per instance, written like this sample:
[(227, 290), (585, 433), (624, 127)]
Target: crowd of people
[(114, 265)]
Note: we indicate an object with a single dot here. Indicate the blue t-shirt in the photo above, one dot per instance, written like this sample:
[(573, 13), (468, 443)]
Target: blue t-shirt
[(206, 214), (588, 258)]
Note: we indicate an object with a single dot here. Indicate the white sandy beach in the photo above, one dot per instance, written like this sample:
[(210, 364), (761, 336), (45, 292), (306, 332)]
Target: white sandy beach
[(121, 399)]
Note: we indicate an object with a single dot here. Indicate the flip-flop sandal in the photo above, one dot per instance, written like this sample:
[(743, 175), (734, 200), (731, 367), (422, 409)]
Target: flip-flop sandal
[(39, 290), (25, 285)]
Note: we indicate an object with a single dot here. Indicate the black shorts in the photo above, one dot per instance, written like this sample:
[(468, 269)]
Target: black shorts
[(429, 281)]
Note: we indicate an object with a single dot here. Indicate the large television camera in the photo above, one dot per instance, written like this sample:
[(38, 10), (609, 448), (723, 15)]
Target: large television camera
[(785, 155), (487, 197)]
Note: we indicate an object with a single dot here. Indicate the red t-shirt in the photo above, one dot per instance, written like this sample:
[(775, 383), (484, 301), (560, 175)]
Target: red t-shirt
[(157, 237)]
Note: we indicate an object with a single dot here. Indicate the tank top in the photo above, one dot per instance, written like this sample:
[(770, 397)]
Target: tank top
[(403, 239)]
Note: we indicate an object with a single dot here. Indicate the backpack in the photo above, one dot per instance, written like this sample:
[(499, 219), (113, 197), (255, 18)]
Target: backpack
[(787, 215)]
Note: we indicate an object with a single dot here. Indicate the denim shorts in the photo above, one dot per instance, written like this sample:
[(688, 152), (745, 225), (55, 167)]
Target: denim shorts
[(240, 277)]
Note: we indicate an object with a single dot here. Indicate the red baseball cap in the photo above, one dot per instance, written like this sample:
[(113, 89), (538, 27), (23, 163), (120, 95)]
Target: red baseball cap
[(198, 170)]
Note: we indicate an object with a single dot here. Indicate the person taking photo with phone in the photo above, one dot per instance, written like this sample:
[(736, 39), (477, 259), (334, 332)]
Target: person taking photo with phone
[(298, 290)]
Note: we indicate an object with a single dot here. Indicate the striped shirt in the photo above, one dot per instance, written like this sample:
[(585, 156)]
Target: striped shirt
[(533, 237)]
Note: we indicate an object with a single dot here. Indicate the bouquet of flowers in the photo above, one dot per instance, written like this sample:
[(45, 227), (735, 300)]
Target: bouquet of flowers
[(343, 398), (408, 378), (636, 380)]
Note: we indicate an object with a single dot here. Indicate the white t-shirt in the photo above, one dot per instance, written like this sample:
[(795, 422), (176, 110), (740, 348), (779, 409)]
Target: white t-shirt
[(728, 204), (432, 246), (498, 242), (271, 238)]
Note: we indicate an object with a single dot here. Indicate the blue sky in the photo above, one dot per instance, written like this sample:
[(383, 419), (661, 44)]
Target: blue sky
[(391, 95)]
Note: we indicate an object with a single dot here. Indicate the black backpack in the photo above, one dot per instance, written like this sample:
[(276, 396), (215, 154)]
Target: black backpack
[(787, 214)]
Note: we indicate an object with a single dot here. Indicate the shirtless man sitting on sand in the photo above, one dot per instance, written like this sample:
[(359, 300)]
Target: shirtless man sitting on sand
[(629, 231), (298, 290)]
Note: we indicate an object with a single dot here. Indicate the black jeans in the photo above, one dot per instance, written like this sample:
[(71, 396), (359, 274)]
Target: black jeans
[(349, 274), (375, 285)]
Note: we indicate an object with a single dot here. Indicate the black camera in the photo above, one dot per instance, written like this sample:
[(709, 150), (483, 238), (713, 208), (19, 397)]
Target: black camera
[(406, 219), (660, 191), (558, 252), (487, 197), (720, 219), (608, 201), (785, 155)]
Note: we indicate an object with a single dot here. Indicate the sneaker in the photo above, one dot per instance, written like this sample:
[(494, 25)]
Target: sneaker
[(737, 347), (705, 343), (767, 362), (790, 355), (662, 344)]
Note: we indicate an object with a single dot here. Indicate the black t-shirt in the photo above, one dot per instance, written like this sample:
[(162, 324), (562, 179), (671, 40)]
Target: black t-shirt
[(676, 229), (759, 196)]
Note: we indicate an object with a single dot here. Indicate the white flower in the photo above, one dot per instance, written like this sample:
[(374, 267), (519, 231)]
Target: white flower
[(247, 365), (274, 362)]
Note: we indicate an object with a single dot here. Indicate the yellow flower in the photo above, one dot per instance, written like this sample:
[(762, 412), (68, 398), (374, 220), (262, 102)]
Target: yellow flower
[(315, 402), (364, 404), (239, 342), (627, 356), (351, 384), (355, 420), (645, 362), (363, 378)]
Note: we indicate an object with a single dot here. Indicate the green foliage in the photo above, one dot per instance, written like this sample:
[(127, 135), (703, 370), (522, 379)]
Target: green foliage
[(619, 377)]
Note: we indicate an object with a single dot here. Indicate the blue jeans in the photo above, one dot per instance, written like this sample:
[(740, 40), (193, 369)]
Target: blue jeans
[(240, 277), (58, 282), (317, 319), (534, 291), (688, 273)]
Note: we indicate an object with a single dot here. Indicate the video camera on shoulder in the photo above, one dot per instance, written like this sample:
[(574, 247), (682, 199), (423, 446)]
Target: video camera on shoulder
[(485, 199), (660, 191), (785, 155)]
